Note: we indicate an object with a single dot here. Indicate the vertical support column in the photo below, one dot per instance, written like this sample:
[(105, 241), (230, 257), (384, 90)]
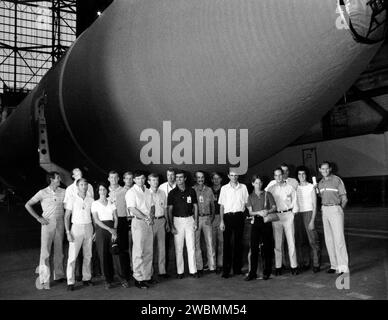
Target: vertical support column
[(44, 150)]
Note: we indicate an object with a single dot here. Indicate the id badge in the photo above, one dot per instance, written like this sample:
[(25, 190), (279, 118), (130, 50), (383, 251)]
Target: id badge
[(201, 199), (188, 199)]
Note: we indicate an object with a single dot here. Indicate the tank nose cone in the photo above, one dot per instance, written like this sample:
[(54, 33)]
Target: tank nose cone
[(366, 19)]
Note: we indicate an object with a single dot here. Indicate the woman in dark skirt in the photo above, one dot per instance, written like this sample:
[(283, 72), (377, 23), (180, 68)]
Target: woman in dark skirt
[(105, 218), (260, 204)]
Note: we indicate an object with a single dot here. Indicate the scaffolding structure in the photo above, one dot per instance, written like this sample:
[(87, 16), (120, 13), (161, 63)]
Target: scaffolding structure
[(34, 35)]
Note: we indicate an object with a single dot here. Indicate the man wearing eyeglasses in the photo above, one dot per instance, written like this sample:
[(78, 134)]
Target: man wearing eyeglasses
[(233, 200)]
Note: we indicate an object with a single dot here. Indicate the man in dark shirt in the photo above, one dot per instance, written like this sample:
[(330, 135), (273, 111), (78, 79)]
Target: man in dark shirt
[(183, 215), (218, 240)]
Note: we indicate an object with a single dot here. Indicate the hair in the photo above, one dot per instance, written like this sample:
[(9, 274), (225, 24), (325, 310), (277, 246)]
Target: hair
[(181, 172), (78, 169), (325, 162), (138, 173), (171, 169), (215, 174), (284, 165), (278, 168), (231, 169), (128, 173), (113, 172), (304, 169), (101, 184), (200, 171), (51, 176), (80, 180), (153, 175), (257, 176)]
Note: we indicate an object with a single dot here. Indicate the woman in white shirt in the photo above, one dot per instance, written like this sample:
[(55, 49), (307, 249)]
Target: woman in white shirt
[(305, 223), (105, 218)]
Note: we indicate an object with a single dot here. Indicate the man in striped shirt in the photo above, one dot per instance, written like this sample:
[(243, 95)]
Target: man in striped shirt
[(333, 193)]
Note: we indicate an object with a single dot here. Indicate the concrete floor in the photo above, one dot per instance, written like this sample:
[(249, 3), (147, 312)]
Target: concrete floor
[(367, 242)]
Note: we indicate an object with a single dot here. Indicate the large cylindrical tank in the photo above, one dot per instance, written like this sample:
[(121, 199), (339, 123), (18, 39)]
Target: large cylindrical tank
[(272, 67)]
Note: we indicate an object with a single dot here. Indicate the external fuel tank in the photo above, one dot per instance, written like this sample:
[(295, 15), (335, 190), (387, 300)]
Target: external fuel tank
[(272, 67)]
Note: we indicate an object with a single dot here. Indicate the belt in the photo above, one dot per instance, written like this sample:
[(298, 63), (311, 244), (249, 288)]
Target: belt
[(233, 213), (157, 218), (183, 216), (284, 211), (204, 215), (330, 205)]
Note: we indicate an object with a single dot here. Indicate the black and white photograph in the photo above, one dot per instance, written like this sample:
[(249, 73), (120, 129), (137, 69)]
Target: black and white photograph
[(195, 156)]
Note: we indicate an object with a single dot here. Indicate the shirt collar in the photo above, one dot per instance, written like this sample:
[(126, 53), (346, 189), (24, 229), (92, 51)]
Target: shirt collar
[(237, 187), (196, 187), (114, 190), (157, 191), (138, 188)]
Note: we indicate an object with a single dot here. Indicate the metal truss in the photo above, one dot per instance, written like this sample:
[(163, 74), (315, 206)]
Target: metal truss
[(35, 34)]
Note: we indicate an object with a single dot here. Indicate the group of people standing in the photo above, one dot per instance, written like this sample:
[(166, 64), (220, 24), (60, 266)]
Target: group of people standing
[(132, 224)]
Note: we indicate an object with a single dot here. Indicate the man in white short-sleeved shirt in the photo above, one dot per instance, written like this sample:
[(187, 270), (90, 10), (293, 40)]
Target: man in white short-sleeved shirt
[(51, 200), (81, 233), (140, 204), (286, 203), (72, 189), (232, 201)]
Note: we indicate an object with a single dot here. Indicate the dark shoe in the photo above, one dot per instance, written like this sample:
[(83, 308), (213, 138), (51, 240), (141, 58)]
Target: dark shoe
[(212, 271), (88, 283), (194, 275), (164, 276), (108, 285), (141, 285), (305, 268), (316, 269), (250, 277), (60, 280), (331, 271), (125, 284), (70, 287), (238, 272), (225, 275), (200, 272), (278, 271), (266, 276), (294, 271), (180, 276), (205, 268), (219, 270), (151, 281)]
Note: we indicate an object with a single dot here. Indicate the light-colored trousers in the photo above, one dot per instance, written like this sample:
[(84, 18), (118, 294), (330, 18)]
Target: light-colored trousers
[(142, 249), (286, 225), (205, 227), (185, 232), (83, 237), (218, 240), (333, 228), (52, 232), (159, 228)]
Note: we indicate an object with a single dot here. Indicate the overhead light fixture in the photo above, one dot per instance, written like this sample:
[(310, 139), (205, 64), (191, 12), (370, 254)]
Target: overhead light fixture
[(99, 13)]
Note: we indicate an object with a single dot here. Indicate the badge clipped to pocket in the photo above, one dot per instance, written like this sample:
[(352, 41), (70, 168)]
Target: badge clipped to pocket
[(201, 199), (188, 199)]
